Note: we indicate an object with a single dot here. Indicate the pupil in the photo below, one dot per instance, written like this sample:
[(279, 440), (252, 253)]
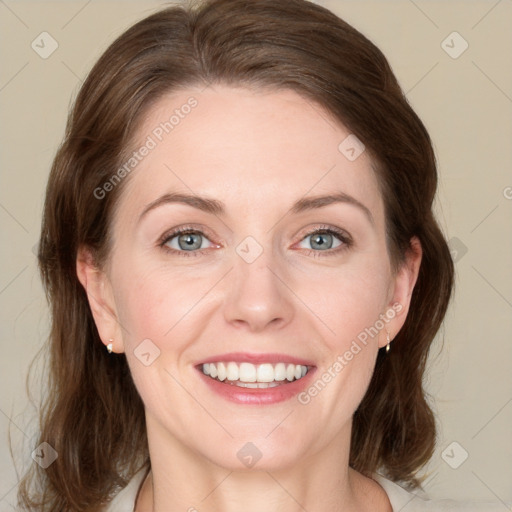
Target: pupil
[(318, 240), (189, 241)]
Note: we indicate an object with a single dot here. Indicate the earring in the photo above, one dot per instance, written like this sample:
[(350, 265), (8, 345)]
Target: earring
[(109, 346), (388, 340)]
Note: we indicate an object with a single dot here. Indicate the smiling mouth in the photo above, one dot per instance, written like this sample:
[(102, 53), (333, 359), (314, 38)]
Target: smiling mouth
[(248, 375)]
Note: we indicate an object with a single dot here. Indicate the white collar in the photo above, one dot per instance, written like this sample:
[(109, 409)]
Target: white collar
[(400, 498)]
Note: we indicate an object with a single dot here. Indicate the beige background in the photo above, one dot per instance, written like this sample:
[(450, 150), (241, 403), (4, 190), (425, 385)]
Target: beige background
[(465, 102)]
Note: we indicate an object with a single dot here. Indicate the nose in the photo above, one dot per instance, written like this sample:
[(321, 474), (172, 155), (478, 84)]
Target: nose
[(258, 295)]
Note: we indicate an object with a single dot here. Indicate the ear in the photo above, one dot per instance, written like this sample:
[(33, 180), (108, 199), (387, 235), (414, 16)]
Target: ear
[(101, 299), (403, 286)]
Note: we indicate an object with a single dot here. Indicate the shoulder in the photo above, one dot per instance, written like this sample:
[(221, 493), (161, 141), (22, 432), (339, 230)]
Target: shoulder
[(125, 499), (405, 501)]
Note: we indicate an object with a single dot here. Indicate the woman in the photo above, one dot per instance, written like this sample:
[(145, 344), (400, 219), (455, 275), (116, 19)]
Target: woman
[(244, 272)]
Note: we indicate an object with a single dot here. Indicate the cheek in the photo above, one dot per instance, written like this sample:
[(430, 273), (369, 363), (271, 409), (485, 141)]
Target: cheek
[(153, 300), (156, 311), (349, 307), (348, 300)]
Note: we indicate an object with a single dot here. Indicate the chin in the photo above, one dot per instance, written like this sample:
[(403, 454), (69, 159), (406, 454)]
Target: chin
[(258, 453)]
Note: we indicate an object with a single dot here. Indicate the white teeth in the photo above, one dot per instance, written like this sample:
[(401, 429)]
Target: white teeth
[(280, 371), (256, 384), (254, 376), (232, 371), (265, 373), (247, 372), (221, 371)]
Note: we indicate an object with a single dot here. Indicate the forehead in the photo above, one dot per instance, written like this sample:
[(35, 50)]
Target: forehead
[(246, 148)]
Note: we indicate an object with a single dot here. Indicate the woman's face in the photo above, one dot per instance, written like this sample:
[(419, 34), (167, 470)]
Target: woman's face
[(249, 277)]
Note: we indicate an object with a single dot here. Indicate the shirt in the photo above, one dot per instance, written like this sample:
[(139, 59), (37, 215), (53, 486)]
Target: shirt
[(401, 500)]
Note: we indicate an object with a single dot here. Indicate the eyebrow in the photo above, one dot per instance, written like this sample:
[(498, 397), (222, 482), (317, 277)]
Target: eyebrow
[(216, 207)]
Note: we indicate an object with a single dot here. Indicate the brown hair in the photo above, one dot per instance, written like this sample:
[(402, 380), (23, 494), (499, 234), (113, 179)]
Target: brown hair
[(93, 415)]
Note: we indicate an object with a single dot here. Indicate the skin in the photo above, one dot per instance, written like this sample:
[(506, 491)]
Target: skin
[(257, 152)]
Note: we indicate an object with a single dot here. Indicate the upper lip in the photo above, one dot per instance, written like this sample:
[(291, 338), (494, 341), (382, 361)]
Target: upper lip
[(248, 357)]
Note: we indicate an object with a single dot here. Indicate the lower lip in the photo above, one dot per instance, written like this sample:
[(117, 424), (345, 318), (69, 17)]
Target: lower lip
[(258, 396)]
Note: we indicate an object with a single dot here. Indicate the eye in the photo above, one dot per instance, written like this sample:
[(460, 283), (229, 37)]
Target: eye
[(324, 240), (188, 241), (184, 240)]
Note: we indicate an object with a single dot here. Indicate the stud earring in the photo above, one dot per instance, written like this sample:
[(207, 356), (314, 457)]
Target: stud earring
[(109, 346), (388, 340)]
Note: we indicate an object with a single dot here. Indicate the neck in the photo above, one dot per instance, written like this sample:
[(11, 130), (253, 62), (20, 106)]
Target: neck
[(183, 480)]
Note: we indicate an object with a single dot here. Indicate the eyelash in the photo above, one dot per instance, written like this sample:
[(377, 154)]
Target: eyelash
[(341, 235)]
